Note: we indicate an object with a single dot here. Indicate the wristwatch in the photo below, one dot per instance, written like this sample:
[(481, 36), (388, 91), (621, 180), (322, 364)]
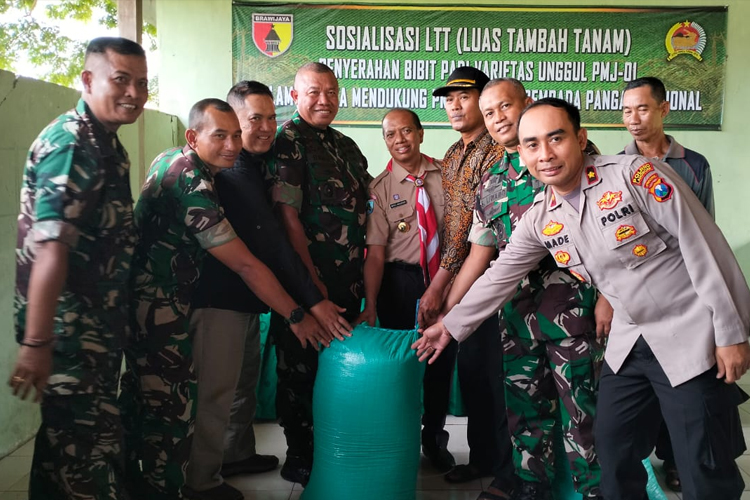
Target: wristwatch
[(296, 316)]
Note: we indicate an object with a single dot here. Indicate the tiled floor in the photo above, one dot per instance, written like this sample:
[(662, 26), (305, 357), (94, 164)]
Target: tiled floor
[(14, 469)]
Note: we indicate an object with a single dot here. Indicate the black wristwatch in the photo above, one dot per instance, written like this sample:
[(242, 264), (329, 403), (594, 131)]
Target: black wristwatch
[(296, 316)]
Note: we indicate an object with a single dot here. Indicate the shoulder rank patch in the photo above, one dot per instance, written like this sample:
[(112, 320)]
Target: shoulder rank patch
[(641, 173), (591, 174), (552, 228), (609, 200), (562, 257), (640, 250), (624, 232)]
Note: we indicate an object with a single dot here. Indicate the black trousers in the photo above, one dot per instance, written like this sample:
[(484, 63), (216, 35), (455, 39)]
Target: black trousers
[(401, 288), (701, 415), (480, 375)]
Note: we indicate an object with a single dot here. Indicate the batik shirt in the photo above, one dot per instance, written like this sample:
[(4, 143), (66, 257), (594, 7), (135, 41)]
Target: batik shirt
[(462, 173)]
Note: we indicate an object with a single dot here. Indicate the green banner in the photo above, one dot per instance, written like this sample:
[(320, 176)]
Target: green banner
[(395, 56)]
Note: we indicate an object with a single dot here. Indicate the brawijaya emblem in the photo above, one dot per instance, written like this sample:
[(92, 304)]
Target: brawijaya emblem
[(686, 38), (273, 33)]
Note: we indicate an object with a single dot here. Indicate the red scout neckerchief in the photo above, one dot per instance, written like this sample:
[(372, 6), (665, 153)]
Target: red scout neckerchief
[(429, 240)]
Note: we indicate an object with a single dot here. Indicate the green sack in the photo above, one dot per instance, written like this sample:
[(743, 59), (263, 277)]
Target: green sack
[(366, 409)]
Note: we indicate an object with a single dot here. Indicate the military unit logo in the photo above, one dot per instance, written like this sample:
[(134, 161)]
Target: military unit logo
[(273, 33), (686, 38), (552, 228), (609, 200)]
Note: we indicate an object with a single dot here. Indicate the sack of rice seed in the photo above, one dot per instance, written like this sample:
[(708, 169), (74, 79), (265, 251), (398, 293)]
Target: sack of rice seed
[(366, 414)]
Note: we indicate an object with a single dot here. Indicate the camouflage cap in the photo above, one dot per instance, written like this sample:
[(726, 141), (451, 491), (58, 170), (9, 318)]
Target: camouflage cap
[(464, 77)]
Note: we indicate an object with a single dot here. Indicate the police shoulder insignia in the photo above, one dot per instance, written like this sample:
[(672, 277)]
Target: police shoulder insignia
[(609, 200), (552, 228), (640, 250), (591, 174), (562, 257), (641, 173)]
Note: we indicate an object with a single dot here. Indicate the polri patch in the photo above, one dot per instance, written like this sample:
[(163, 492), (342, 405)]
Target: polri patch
[(624, 232), (578, 275), (640, 250), (641, 173), (609, 200), (562, 257), (552, 228)]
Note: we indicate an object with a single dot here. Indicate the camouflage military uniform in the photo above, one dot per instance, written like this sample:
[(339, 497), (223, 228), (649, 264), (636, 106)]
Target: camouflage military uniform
[(323, 175), (177, 218), (76, 191), (550, 352)]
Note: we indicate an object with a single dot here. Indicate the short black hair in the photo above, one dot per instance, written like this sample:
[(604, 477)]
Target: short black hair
[(658, 92), (517, 85), (573, 114), (122, 46), (198, 111), (414, 117), (238, 93)]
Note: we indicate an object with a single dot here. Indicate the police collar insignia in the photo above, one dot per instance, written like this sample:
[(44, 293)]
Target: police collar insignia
[(591, 174)]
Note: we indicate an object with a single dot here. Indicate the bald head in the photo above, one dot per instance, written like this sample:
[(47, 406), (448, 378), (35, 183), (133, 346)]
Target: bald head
[(316, 93)]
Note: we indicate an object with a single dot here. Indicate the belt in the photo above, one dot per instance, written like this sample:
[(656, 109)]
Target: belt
[(403, 266)]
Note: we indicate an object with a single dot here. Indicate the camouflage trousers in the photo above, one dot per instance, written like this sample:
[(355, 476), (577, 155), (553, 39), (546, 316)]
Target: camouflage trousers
[(78, 448), (158, 392), (550, 383), (296, 369)]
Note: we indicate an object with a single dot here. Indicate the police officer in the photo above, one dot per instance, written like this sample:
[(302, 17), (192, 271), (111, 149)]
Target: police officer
[(634, 229), (644, 108), (75, 243), (404, 222), (551, 354), (320, 189)]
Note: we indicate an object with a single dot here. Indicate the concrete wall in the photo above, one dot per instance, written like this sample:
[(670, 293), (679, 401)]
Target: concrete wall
[(26, 106), (195, 44)]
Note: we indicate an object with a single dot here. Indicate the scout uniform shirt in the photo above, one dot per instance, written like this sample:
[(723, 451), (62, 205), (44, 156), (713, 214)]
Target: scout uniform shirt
[(392, 216), (643, 238), (76, 190), (539, 309), (323, 175), (178, 218)]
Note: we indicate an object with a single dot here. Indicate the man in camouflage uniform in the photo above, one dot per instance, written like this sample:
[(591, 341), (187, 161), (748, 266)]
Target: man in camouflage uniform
[(550, 351), (321, 191), (75, 243), (178, 219)]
